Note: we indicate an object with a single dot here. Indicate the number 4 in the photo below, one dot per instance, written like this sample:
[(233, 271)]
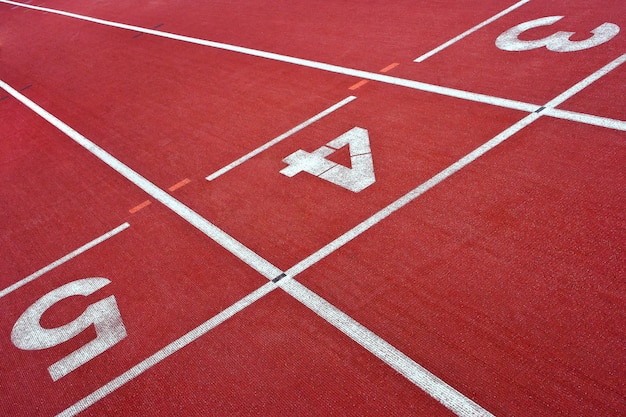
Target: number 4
[(356, 178)]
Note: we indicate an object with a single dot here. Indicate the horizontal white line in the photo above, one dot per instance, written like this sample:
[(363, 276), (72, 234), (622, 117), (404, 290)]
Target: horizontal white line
[(167, 351), (416, 85), (258, 263), (279, 138), (63, 260), (418, 375), (585, 118), (470, 31)]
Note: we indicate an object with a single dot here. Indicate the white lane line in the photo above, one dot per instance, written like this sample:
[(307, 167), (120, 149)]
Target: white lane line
[(410, 196), (418, 375), (585, 118), (280, 138), (416, 85), (64, 259), (470, 31), (167, 351), (451, 92), (461, 163), (258, 263)]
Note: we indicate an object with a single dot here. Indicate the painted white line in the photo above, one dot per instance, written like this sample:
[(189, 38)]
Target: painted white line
[(416, 85), (422, 378), (167, 351), (259, 264), (280, 138), (585, 118), (586, 82), (451, 92), (410, 196), (470, 31), (461, 163), (64, 259)]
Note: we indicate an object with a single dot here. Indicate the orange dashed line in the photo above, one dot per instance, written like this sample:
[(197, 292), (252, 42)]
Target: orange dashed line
[(359, 84), (389, 67), (179, 184), (139, 207)]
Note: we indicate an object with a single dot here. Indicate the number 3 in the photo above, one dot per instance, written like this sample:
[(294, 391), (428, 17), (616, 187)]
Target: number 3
[(28, 334), (559, 42)]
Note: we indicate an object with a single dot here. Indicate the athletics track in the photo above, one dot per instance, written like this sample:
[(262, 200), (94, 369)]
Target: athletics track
[(312, 208)]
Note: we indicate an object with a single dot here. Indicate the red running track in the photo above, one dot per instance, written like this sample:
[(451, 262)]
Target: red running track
[(481, 273)]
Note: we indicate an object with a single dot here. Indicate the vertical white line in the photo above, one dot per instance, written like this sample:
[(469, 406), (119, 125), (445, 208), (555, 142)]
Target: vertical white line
[(279, 138), (64, 259), (470, 31)]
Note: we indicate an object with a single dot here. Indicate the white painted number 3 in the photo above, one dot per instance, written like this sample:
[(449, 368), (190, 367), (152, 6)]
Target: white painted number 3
[(356, 178), (558, 42), (28, 334)]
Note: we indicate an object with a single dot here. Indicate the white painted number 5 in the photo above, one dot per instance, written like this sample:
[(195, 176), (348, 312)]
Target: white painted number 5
[(28, 334), (559, 42)]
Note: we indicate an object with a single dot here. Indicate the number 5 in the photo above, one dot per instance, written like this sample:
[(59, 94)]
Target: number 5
[(559, 42), (28, 334)]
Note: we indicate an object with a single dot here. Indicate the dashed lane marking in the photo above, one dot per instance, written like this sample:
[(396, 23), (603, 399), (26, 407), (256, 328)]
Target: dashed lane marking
[(179, 184), (341, 321), (139, 207), (64, 259)]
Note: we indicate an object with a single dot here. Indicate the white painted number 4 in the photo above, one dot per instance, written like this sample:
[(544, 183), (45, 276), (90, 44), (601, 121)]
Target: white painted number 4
[(356, 178)]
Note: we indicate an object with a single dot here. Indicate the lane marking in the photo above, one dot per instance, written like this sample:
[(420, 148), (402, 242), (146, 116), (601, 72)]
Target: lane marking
[(235, 247), (179, 184), (451, 92), (458, 165), (280, 138), (470, 31), (389, 67), (255, 261), (167, 351), (586, 119), (139, 207), (411, 370), (416, 85), (358, 84), (64, 259)]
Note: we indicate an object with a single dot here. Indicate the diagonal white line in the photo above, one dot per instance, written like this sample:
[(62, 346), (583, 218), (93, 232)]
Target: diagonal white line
[(63, 260), (258, 263), (418, 375), (167, 351), (461, 163), (280, 138), (480, 98), (416, 85), (470, 31)]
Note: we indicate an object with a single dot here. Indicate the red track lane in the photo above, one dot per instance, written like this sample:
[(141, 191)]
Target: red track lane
[(191, 109), (276, 358), (536, 76), (367, 35), (412, 135), (167, 279), (53, 196), (603, 98), (503, 280)]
